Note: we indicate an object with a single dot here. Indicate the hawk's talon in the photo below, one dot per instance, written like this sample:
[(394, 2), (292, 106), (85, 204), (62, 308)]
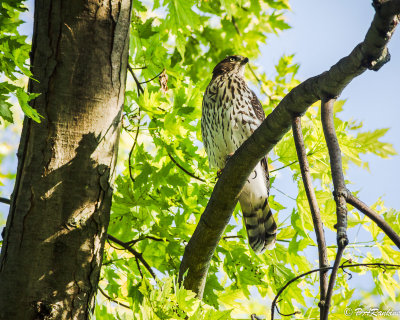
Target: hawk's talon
[(228, 156), (219, 173)]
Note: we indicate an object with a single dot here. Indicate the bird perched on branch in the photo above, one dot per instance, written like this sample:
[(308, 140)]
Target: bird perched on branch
[(231, 112)]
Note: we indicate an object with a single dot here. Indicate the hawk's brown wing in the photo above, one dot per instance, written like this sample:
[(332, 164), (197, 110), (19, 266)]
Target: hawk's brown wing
[(257, 107), (260, 114)]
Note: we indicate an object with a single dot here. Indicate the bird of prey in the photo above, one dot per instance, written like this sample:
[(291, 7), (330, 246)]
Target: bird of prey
[(230, 114)]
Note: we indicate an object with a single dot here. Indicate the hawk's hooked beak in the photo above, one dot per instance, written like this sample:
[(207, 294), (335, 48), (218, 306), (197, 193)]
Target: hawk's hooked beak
[(244, 61)]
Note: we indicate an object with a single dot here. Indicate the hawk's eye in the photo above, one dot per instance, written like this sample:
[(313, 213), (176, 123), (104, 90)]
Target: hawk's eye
[(232, 59)]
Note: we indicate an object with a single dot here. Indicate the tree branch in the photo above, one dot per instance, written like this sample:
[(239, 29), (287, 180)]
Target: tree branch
[(152, 78), (133, 147), (371, 53), (111, 299), (285, 166), (343, 266), (5, 200), (315, 213), (138, 84), (137, 255), (134, 241), (335, 157), (340, 193), (375, 217), (183, 169)]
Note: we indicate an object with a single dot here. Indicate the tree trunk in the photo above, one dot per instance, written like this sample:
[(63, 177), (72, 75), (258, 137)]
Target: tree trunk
[(59, 213)]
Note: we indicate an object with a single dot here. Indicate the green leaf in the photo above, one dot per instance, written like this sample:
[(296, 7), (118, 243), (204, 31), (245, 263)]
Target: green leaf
[(5, 111), (23, 99)]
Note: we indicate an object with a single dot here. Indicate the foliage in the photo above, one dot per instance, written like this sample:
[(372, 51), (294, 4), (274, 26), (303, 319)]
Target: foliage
[(14, 53), (157, 204)]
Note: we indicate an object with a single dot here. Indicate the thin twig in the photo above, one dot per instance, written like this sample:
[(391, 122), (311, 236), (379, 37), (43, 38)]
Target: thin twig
[(343, 266), (133, 147), (184, 170), (139, 267), (375, 217), (325, 307), (134, 241), (138, 84), (111, 299), (315, 213), (152, 78), (137, 255), (280, 191), (286, 314), (140, 91), (232, 237), (139, 68), (285, 166)]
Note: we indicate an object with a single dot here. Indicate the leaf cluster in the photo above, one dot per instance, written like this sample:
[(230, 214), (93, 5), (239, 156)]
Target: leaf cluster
[(14, 53), (157, 204)]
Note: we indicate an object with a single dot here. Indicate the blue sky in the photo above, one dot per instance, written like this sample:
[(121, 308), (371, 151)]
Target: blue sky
[(322, 33)]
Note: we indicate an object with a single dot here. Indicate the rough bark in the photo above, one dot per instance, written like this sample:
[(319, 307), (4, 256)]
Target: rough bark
[(59, 213)]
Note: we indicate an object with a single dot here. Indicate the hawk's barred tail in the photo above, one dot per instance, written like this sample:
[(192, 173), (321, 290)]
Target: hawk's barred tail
[(260, 224), (261, 228)]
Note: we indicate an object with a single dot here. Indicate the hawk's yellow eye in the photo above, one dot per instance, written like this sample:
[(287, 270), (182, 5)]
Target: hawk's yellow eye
[(232, 59)]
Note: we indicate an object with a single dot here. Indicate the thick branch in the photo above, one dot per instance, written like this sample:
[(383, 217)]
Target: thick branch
[(335, 156), (315, 213), (209, 231), (340, 193), (5, 200), (375, 217)]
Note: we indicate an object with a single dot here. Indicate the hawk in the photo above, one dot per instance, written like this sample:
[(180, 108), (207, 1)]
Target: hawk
[(230, 114)]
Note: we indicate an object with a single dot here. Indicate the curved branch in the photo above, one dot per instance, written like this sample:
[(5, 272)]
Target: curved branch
[(143, 82), (370, 53), (315, 213), (111, 299), (375, 217), (285, 166), (183, 169), (132, 148), (343, 266), (137, 255)]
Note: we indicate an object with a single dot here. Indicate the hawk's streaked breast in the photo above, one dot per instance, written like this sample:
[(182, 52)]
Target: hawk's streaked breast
[(228, 118), (231, 112)]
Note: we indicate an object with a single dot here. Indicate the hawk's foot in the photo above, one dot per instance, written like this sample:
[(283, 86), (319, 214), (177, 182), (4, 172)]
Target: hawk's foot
[(219, 172), (228, 157)]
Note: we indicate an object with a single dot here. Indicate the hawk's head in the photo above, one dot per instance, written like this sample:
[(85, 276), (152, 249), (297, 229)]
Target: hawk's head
[(232, 64)]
